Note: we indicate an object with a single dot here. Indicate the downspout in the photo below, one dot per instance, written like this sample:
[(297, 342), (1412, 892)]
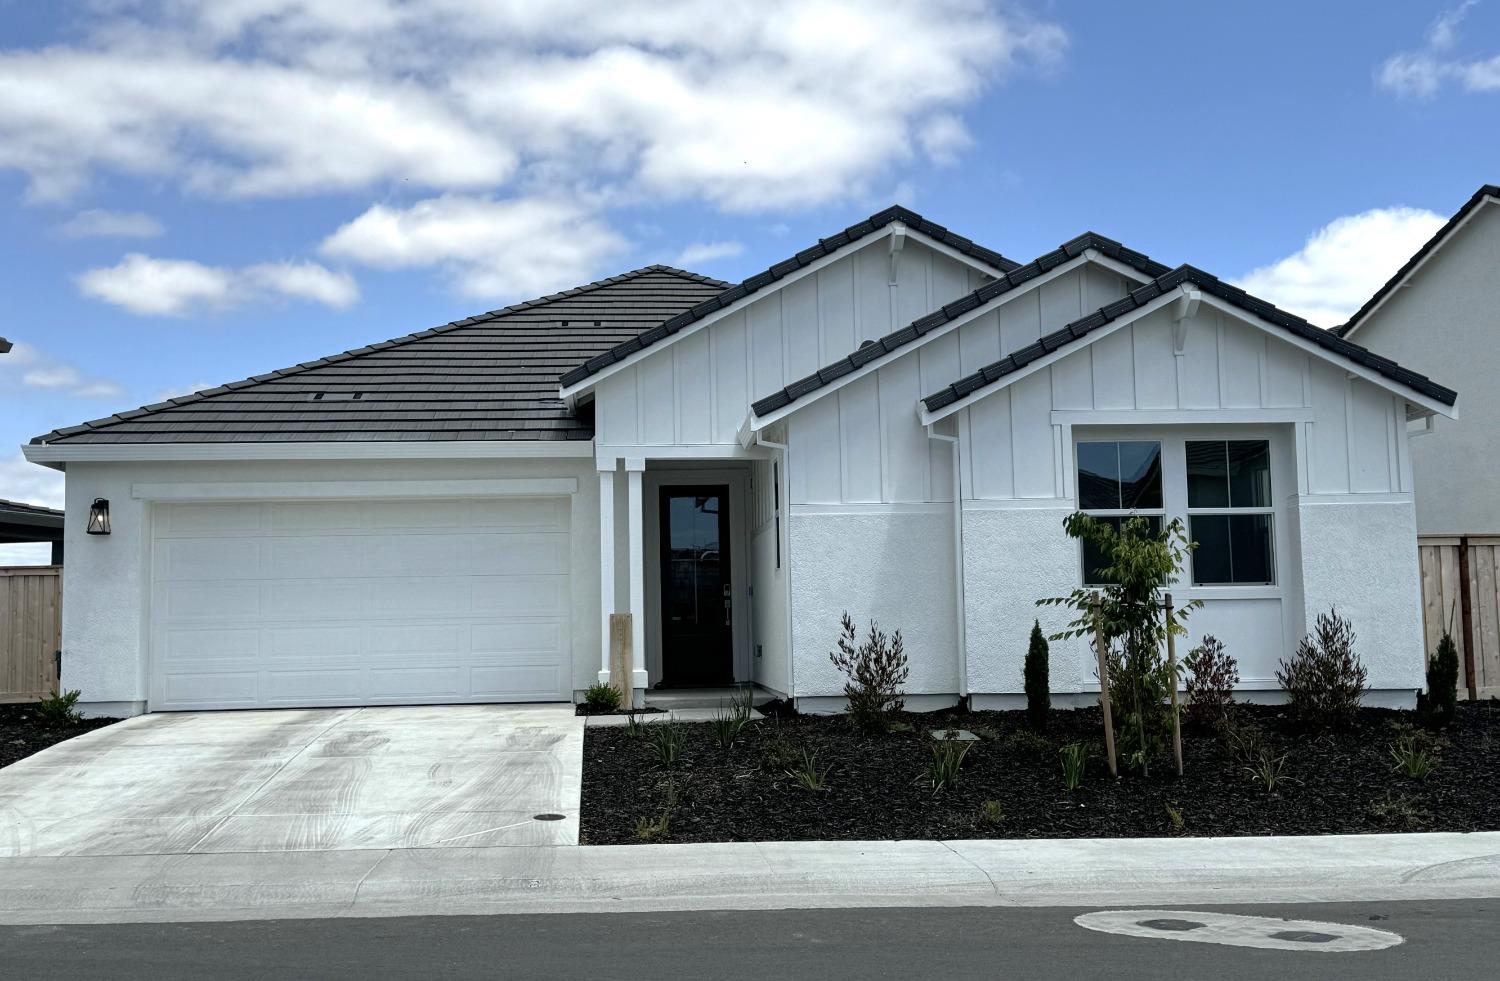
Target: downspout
[(786, 557), (958, 563)]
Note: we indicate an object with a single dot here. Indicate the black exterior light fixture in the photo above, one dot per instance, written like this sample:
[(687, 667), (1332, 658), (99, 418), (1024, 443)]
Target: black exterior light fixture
[(99, 517)]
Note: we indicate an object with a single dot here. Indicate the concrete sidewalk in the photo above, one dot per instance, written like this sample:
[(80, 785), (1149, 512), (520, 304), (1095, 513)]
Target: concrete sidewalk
[(767, 875)]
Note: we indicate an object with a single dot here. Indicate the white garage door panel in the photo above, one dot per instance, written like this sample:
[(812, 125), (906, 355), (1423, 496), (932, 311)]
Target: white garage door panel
[(363, 602)]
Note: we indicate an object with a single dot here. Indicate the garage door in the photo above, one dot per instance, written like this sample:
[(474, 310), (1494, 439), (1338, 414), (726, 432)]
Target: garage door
[(359, 603)]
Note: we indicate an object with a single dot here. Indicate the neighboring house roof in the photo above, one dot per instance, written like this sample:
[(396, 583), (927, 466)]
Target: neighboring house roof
[(1012, 280), (29, 523), (1140, 297), (1489, 192), (488, 377), (825, 247)]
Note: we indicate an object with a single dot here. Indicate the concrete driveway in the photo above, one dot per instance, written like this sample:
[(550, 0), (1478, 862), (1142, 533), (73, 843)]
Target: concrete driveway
[(300, 780)]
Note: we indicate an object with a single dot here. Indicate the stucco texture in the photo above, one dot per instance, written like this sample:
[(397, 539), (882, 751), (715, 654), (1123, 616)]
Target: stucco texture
[(893, 567)]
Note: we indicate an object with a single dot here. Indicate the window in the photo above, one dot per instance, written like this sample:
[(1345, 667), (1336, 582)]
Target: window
[(1118, 480), (1230, 512)]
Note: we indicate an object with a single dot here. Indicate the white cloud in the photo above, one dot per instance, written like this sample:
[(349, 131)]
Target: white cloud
[(30, 483), (748, 105), (491, 249), (150, 286), (707, 252), (1344, 263), (26, 367), (1421, 73), (96, 223), (943, 138)]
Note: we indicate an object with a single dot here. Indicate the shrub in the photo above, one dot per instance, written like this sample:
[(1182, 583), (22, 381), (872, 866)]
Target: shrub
[(875, 671), (666, 742), (1324, 680), (1174, 817), (1074, 759), (1212, 677), (1440, 702), (1268, 771), (1401, 810), (652, 829), (1412, 757), (1139, 563), (59, 710), (947, 759), (728, 724), (991, 814), (601, 698), (807, 774), (1038, 685)]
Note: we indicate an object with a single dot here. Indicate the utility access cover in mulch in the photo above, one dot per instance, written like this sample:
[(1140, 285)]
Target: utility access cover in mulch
[(879, 787), (22, 732)]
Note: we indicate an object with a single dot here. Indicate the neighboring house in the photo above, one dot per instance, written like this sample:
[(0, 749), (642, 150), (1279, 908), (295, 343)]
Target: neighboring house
[(893, 422), (22, 524), (1440, 313)]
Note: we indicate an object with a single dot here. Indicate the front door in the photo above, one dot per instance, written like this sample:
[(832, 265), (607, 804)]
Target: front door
[(696, 645)]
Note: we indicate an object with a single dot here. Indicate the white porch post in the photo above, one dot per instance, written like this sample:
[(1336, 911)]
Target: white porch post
[(637, 546), (606, 562)]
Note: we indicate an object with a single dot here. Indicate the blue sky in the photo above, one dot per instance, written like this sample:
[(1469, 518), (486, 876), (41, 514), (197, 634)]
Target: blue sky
[(197, 192)]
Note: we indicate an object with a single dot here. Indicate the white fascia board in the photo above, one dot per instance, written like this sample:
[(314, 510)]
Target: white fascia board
[(54, 453), (1046, 361), (1116, 266), (1406, 279), (675, 451), (312, 490), (760, 422), (570, 392), (1354, 368)]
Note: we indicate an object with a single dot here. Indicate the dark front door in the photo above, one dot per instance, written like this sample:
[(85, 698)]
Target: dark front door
[(696, 645)]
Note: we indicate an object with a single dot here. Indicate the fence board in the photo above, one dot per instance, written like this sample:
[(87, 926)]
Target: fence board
[(30, 631), (1442, 598)]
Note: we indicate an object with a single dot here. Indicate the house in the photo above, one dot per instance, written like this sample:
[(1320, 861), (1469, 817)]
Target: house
[(893, 421), (22, 524)]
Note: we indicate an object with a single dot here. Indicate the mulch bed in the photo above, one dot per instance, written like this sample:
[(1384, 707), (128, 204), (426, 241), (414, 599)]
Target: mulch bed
[(878, 786), (22, 733)]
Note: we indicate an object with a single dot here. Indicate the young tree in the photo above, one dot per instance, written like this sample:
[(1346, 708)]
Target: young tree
[(1139, 565), (1038, 684), (1441, 698)]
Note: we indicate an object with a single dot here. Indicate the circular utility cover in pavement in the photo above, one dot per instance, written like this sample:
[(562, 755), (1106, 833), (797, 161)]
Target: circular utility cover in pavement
[(1236, 930)]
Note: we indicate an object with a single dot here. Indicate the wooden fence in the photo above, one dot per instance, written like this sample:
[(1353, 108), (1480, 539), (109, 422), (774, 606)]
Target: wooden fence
[(30, 631), (1461, 594)]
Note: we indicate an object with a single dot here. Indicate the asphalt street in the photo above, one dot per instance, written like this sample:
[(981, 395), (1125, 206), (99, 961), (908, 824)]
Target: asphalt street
[(1441, 941)]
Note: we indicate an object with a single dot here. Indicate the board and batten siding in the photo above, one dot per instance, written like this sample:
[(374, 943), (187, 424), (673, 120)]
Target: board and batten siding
[(698, 389)]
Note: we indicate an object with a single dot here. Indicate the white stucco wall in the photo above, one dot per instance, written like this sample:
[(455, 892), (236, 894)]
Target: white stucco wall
[(1445, 323), (893, 565), (105, 586)]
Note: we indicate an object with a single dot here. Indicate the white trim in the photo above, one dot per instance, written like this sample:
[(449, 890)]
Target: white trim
[(606, 567), (398, 450), (1316, 499), (755, 422), (570, 392), (1019, 504), (1116, 266), (1178, 417), (1406, 279), (913, 507), (678, 451), (294, 490), (636, 568)]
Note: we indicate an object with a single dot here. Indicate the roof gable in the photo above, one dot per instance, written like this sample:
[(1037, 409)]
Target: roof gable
[(1489, 193), (487, 377), (768, 278), (1152, 295)]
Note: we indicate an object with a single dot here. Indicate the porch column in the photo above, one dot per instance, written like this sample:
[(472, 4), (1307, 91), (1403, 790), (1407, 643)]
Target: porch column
[(633, 473), (606, 562)]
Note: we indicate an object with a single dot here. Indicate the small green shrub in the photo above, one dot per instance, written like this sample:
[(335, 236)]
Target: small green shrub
[(601, 698), (1074, 760), (1440, 702), (1038, 683), (1174, 817), (1324, 680), (947, 759), (665, 740), (807, 774), (991, 814), (1242, 739), (634, 727), (1212, 677), (1400, 810), (59, 710), (656, 828), (728, 723), (1268, 771), (1027, 743), (1412, 758), (875, 673)]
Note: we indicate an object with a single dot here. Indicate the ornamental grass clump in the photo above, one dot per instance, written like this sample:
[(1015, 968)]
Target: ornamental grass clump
[(875, 673), (1324, 680)]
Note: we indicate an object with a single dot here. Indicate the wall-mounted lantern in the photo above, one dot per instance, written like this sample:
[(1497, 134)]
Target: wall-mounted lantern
[(99, 517)]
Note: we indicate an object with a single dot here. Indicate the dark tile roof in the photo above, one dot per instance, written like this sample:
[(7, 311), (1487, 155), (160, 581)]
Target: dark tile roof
[(1139, 297), (18, 508), (761, 280), (1487, 191), (489, 377), (1016, 277)]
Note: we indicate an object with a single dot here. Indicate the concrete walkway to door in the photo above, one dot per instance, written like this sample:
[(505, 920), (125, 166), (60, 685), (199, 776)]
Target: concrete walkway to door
[(299, 780)]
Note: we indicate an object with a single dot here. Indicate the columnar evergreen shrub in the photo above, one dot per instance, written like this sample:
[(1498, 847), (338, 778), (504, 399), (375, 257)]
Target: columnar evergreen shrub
[(1038, 683), (875, 673), (1324, 680), (1441, 699)]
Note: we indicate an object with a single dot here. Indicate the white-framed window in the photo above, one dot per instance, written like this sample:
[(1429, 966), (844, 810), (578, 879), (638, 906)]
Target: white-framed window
[(1222, 489)]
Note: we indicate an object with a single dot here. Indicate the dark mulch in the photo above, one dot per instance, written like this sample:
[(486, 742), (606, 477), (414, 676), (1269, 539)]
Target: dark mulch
[(22, 733), (878, 788)]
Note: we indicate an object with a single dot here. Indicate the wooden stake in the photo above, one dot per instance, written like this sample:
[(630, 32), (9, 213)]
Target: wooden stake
[(620, 658), (1100, 651), (1172, 667)]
